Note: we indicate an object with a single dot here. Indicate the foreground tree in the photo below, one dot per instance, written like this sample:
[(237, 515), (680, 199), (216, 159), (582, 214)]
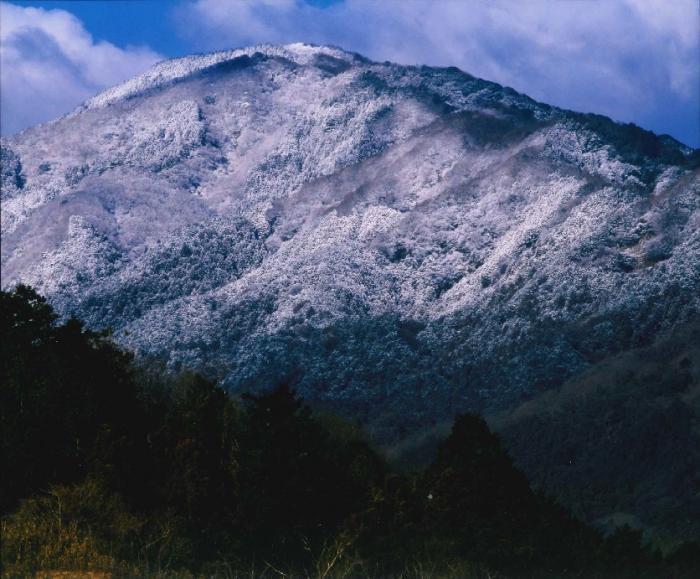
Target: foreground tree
[(64, 392)]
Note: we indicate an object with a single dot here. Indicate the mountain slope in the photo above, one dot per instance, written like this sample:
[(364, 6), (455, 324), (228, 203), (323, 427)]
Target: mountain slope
[(404, 241), (627, 445)]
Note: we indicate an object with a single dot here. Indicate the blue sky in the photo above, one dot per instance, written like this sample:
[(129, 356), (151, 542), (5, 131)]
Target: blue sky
[(634, 60), (126, 22)]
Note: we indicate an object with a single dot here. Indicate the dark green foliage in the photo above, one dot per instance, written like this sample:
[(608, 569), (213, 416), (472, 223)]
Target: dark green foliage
[(196, 451), (478, 502), (298, 484), (200, 259), (11, 173), (627, 438), (635, 144), (65, 393), (108, 466), (472, 486)]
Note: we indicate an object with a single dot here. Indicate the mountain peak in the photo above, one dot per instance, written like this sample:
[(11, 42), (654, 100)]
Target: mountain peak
[(172, 70)]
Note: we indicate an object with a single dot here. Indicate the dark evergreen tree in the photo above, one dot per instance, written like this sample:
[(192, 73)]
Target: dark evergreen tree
[(297, 485), (65, 393)]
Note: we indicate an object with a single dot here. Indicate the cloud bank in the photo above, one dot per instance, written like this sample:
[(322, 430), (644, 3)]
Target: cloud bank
[(49, 64), (633, 60)]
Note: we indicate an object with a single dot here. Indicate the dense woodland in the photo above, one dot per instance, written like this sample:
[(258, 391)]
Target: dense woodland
[(117, 466)]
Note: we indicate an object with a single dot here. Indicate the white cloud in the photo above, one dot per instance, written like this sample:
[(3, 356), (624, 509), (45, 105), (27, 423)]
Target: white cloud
[(49, 64), (635, 60)]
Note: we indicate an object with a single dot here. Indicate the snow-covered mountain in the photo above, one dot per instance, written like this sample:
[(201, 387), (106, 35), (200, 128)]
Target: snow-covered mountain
[(401, 240)]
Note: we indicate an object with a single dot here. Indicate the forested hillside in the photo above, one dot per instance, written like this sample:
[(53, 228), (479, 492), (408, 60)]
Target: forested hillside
[(120, 467)]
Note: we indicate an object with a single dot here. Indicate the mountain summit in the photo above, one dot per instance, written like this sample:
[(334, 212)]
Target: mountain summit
[(402, 241)]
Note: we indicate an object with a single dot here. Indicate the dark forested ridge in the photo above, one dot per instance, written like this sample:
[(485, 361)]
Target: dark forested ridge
[(627, 438), (113, 466)]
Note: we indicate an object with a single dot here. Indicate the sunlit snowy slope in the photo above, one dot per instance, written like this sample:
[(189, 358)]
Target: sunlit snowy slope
[(391, 236)]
